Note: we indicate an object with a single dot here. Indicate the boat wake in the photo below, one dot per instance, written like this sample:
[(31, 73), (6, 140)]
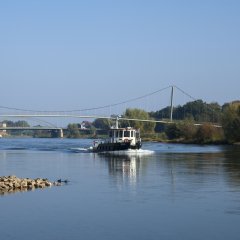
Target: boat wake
[(129, 152), (80, 150)]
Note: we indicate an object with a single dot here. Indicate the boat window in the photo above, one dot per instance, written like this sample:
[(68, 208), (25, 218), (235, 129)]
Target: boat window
[(137, 134), (110, 134), (126, 133), (116, 134), (132, 134), (120, 134)]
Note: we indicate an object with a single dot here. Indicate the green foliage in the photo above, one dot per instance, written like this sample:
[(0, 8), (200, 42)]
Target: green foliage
[(73, 131), (172, 131), (16, 124), (140, 114), (158, 137), (55, 133), (197, 110), (231, 122), (104, 124), (188, 132), (207, 133), (187, 129), (42, 134), (160, 127), (92, 130), (21, 124)]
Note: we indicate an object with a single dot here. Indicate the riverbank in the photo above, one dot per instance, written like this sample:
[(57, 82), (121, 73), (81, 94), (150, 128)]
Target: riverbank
[(190, 141), (145, 138)]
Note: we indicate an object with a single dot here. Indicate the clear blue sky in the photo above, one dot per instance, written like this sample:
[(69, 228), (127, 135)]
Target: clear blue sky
[(61, 55)]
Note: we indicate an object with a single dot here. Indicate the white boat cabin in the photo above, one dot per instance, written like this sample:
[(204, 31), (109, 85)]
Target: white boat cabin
[(124, 135)]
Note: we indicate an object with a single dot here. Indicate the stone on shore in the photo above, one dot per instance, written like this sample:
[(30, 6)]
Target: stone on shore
[(9, 184)]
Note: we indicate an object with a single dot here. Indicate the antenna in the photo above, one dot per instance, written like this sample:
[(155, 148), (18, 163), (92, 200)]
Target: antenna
[(117, 121), (116, 117)]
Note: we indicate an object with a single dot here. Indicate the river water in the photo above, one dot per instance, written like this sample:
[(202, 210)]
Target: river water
[(168, 191)]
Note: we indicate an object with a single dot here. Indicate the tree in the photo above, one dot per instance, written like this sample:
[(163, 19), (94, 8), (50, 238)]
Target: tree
[(196, 110), (41, 134), (140, 114), (207, 133), (73, 131), (21, 124), (17, 124), (104, 124), (231, 121), (187, 130), (172, 131)]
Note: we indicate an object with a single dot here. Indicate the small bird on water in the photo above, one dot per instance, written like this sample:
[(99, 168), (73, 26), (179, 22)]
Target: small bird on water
[(62, 181)]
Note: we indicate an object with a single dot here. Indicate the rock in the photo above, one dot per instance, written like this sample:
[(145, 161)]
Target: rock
[(57, 184), (48, 184), (13, 184), (31, 187)]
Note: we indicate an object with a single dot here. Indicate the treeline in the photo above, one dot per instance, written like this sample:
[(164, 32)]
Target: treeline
[(28, 133), (212, 117), (186, 127), (198, 111), (183, 130), (17, 124)]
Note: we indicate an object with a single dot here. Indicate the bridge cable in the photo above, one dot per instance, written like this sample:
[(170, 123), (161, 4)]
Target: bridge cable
[(93, 108)]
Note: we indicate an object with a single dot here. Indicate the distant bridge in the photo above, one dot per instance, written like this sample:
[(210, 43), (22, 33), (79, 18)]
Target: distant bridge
[(79, 116), (60, 130), (40, 128), (92, 117), (31, 128), (81, 113)]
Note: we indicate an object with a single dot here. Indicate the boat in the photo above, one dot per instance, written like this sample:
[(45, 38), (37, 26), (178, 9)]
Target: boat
[(120, 139)]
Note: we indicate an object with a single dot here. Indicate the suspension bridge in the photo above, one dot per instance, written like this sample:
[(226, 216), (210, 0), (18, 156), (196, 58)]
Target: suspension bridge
[(7, 113)]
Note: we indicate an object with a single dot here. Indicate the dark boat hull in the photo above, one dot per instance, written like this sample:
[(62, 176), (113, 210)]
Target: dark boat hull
[(119, 146)]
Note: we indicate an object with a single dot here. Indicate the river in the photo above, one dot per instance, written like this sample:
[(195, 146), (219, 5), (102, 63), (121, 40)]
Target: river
[(168, 191)]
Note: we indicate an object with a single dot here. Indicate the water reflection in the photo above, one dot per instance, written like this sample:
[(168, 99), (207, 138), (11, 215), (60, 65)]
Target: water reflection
[(14, 191), (232, 166), (189, 193), (123, 169), (193, 169)]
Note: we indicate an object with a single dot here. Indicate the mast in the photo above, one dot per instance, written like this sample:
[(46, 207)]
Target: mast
[(171, 113), (117, 118)]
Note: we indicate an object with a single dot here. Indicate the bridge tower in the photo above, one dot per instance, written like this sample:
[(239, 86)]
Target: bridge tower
[(171, 110)]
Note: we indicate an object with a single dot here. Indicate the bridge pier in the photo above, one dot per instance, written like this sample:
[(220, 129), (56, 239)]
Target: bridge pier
[(61, 133)]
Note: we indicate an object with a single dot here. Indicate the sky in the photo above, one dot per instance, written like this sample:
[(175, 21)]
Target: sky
[(64, 55)]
